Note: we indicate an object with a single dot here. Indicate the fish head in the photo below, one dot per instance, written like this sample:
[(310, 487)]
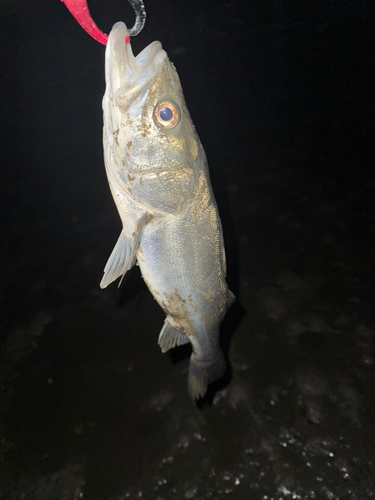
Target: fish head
[(147, 124)]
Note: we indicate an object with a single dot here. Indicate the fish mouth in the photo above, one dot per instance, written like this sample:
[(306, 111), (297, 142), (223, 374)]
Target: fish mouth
[(127, 75)]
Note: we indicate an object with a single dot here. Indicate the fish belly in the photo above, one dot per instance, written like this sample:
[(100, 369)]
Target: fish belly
[(180, 262)]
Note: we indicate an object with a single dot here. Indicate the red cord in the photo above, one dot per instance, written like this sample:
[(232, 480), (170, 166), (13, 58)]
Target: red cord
[(80, 12)]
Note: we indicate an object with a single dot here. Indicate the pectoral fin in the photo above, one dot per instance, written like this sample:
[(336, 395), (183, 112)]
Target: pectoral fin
[(123, 255), (171, 337)]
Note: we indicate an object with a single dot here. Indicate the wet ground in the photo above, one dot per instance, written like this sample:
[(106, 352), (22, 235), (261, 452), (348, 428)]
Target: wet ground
[(282, 97)]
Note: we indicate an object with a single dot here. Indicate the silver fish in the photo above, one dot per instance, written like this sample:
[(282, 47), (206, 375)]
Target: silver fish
[(158, 175)]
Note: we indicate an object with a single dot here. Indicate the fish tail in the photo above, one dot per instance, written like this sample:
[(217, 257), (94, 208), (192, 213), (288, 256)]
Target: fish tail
[(204, 371)]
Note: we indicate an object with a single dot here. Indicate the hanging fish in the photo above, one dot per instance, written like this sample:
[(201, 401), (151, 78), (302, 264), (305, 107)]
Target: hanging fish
[(158, 175)]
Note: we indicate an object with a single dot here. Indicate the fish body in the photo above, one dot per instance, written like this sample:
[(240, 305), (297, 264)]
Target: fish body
[(158, 175)]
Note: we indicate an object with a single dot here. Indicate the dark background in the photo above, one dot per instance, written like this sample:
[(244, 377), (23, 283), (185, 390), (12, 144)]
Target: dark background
[(282, 95)]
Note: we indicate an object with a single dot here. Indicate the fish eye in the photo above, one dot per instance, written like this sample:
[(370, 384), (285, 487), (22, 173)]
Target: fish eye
[(167, 114)]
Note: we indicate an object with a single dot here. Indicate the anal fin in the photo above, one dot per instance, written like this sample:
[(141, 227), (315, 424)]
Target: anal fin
[(170, 337)]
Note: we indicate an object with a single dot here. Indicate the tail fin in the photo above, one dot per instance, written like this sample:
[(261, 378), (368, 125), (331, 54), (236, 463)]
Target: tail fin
[(202, 373)]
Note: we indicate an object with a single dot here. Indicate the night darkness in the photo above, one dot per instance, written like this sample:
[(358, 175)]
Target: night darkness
[(282, 95)]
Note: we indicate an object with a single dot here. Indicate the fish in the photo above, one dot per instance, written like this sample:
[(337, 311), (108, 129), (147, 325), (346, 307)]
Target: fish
[(158, 176)]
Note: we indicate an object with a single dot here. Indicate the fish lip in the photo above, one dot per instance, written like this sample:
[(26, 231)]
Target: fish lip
[(126, 74)]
